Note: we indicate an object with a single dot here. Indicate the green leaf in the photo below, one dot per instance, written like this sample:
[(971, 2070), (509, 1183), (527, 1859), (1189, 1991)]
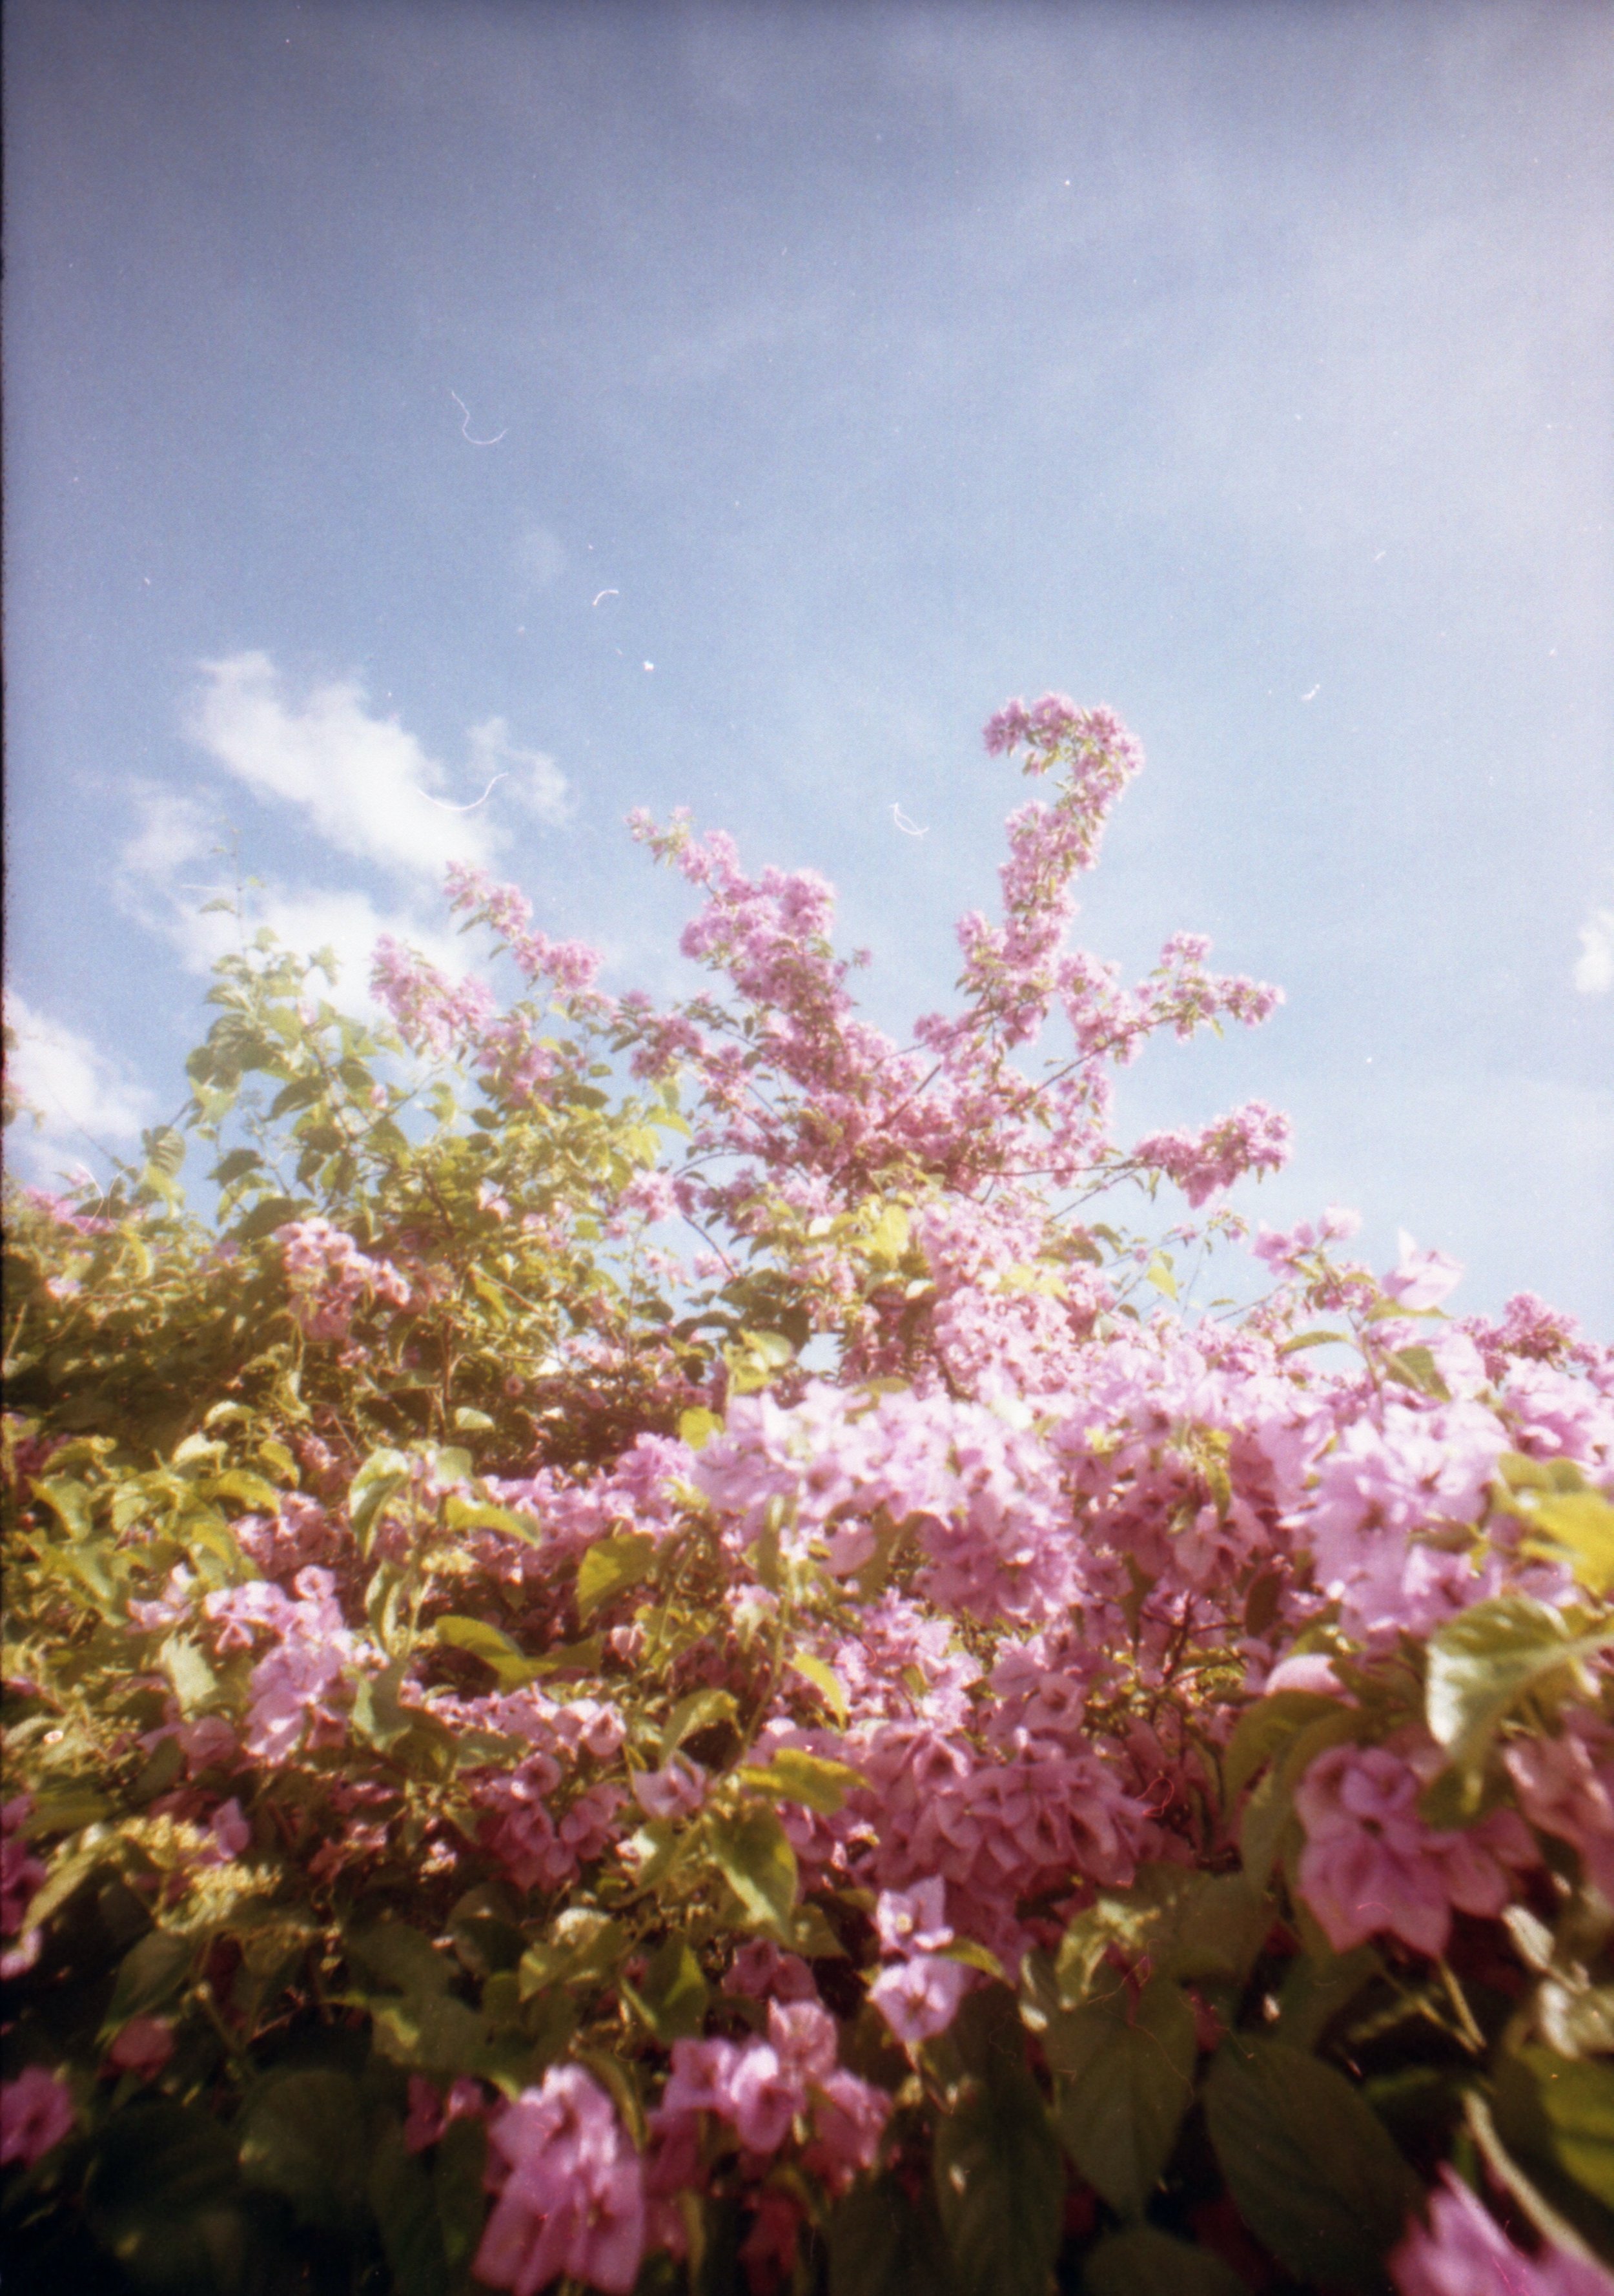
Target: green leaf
[(671, 1996), (1144, 2262), (1124, 2086), (1560, 2110), (1579, 1527), (399, 1957), (471, 1421), (462, 1514), (1415, 1367), (1311, 2170), (400, 2190), (753, 1853), (301, 2134), (185, 1664), (610, 1566), (235, 1167), (439, 2035), (378, 1717), (151, 1973), (383, 1474), (244, 1488), (165, 2196), (1000, 2185), (696, 1428), (825, 1681), (1161, 1274), (1265, 1730), (583, 1946), (1316, 1988), (696, 1712), (883, 2244), (458, 2188), (792, 1776), (267, 1214), (69, 1502), (493, 1646), (1483, 1662)]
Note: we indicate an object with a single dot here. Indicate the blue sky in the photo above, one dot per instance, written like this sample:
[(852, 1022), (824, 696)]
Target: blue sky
[(846, 371)]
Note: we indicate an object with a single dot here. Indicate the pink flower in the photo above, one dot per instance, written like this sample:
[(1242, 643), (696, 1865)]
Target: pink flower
[(229, 1829), (572, 2191), (1372, 1866), (143, 2046), (672, 1792), (914, 1921), (1562, 1790), (36, 2113), (1461, 2251), (1420, 1279), (21, 1872), (430, 2114), (763, 2098), (760, 1972), (919, 1998)]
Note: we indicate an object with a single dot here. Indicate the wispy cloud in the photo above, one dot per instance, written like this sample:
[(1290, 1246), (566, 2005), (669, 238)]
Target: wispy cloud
[(1595, 966), (363, 783), (172, 873), (533, 779), (78, 1094)]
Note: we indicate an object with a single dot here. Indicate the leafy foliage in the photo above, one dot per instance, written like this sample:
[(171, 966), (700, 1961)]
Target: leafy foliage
[(893, 1750)]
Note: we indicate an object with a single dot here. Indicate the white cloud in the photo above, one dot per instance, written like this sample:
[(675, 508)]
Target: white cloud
[(364, 783), (1595, 966), (159, 886), (75, 1091), (532, 776)]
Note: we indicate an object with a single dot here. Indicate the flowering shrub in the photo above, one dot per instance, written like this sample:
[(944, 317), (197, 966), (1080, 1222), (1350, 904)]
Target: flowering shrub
[(665, 1659)]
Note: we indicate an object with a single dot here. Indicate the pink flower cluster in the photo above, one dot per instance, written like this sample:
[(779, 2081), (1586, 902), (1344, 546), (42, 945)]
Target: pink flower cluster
[(293, 1687), (1255, 1139), (434, 1014), (918, 1990), (329, 1277), (570, 2191), (763, 2090), (569, 966), (1371, 1865)]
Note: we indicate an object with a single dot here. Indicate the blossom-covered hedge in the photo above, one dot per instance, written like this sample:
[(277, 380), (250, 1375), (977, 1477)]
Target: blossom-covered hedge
[(664, 1660)]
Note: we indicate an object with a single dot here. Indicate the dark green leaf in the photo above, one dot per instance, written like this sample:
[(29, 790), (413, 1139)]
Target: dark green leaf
[(400, 1957), (1124, 2084), (405, 2207), (1144, 2262), (1000, 2185), (1311, 2170), (883, 2243), (302, 2134), (165, 2197), (1560, 2110), (151, 1973)]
